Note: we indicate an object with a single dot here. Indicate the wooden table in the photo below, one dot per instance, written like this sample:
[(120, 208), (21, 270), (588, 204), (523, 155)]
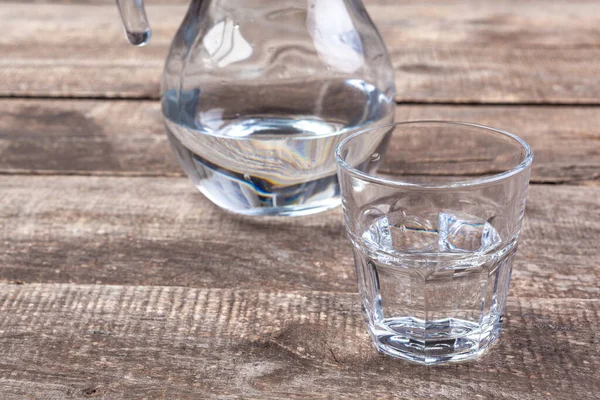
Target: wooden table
[(118, 280)]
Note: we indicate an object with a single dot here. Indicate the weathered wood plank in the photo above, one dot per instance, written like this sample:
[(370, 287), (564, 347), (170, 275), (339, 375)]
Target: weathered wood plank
[(127, 137), (84, 137), (508, 51), (159, 231), (70, 341), (564, 139)]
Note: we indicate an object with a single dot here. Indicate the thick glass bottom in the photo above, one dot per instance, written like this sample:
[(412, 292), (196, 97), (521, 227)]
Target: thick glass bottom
[(437, 342), (250, 195)]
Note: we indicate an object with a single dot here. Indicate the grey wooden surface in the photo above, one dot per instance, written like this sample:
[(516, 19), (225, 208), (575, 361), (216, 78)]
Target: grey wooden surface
[(105, 137), (509, 51), (119, 281), (140, 342), (160, 231)]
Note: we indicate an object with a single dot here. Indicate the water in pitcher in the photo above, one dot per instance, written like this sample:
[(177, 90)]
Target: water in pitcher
[(268, 162), (433, 285)]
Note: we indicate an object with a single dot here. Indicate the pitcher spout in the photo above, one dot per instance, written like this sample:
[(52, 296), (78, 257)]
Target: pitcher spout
[(135, 21)]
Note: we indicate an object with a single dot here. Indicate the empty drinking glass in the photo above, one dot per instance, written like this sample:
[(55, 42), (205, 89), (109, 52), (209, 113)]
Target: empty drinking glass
[(434, 221)]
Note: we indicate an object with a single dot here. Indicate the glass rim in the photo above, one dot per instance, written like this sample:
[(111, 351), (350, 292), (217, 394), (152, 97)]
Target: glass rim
[(523, 165)]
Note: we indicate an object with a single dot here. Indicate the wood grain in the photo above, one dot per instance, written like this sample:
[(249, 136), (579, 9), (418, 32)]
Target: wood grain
[(73, 341), (119, 281), (84, 137), (126, 138), (160, 231), (509, 51)]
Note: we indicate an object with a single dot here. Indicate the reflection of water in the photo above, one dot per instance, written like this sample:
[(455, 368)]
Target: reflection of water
[(261, 150), (433, 286), (438, 232), (225, 43)]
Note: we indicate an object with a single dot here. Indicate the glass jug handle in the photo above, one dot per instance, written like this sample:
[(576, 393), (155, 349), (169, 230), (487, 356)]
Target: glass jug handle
[(135, 21)]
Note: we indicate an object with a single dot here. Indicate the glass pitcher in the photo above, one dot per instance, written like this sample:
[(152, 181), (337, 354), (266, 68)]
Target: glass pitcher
[(257, 94)]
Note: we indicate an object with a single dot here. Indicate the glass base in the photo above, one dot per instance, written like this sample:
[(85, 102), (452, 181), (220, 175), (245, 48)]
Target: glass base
[(441, 342), (297, 210)]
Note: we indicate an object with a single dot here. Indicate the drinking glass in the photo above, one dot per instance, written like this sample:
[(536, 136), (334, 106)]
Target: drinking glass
[(434, 211)]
